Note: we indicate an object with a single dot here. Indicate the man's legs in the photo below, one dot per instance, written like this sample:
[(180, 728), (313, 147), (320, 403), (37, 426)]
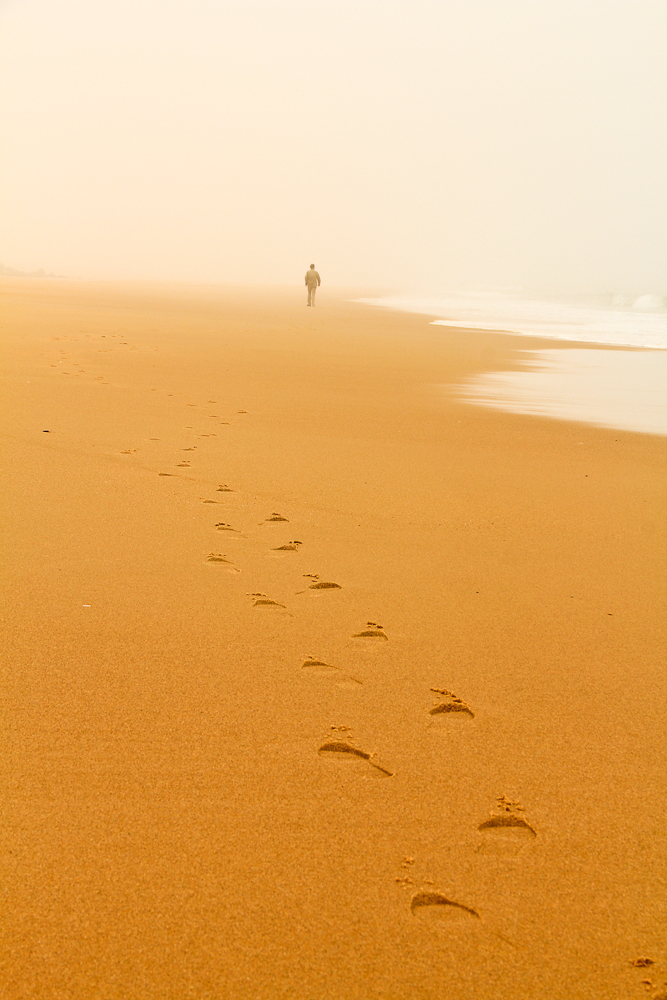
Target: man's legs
[(311, 294)]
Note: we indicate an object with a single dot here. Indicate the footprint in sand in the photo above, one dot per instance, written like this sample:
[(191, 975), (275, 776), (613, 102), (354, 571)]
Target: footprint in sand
[(221, 558), (338, 746), (506, 831), (318, 668), (428, 905), (288, 547), (129, 451), (274, 517), (318, 584), (183, 465), (372, 631), (222, 526), (262, 601), (447, 707), (223, 488), (166, 473)]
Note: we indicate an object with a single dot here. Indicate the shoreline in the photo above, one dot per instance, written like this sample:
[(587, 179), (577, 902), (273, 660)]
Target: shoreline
[(622, 390), (568, 379), (604, 325), (181, 816)]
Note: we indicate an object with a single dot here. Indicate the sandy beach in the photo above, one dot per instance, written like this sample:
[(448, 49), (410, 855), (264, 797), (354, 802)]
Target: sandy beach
[(444, 776)]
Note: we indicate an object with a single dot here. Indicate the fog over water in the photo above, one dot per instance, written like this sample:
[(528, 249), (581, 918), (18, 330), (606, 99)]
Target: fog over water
[(406, 146)]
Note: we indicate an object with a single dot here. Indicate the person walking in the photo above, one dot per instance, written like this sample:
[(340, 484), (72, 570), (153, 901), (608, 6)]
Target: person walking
[(312, 281)]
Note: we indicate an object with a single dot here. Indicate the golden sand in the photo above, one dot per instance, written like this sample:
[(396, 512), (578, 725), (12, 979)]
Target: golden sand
[(443, 777)]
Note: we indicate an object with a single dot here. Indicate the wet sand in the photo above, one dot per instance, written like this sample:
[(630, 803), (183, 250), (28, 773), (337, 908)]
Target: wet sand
[(444, 776)]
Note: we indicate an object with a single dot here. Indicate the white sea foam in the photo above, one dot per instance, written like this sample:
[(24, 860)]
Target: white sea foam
[(623, 389), (641, 323)]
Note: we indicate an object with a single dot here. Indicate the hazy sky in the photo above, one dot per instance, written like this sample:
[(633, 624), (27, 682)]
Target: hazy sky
[(401, 143)]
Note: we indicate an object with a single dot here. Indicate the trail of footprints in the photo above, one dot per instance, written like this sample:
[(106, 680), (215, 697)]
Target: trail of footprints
[(506, 830)]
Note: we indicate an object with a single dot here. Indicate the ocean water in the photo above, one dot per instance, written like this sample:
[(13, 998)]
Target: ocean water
[(622, 389), (625, 389), (612, 320)]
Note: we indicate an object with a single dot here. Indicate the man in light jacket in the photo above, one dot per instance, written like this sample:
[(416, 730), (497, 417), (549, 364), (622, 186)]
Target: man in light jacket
[(312, 281)]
